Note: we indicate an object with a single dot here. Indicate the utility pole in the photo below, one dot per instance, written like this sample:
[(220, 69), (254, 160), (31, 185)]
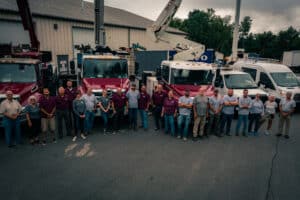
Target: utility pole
[(99, 23), (236, 31)]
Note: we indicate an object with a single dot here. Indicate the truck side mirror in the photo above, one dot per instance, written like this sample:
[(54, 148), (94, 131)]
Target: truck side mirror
[(136, 68), (158, 73)]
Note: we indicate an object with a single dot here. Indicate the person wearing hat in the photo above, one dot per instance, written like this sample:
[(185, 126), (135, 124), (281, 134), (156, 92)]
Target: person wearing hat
[(185, 104), (133, 95), (215, 105)]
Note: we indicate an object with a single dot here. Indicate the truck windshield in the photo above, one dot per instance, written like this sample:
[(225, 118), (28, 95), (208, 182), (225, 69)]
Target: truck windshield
[(191, 77), (239, 81), (285, 79), (93, 68), (17, 73)]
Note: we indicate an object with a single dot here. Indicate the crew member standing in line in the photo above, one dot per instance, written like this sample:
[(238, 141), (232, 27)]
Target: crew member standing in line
[(105, 105), (229, 103), (62, 112), (200, 106), (91, 105), (270, 108), (185, 105), (48, 107), (71, 92), (169, 112), (79, 109), (158, 98), (11, 110), (144, 102), (215, 109), (244, 106), (33, 118), (256, 112), (119, 102), (286, 107), (133, 95)]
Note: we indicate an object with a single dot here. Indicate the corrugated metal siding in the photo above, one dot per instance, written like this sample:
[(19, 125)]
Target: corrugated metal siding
[(60, 41)]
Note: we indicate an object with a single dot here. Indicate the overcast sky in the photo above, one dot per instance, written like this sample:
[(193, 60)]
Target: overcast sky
[(267, 15)]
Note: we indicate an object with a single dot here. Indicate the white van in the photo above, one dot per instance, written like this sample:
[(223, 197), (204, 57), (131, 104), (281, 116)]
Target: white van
[(274, 78), (238, 81)]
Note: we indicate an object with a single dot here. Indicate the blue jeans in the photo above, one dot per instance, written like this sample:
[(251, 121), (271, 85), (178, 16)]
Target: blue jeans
[(169, 122), (79, 124), (226, 119), (11, 125), (104, 116), (89, 121), (185, 120), (144, 118), (132, 112), (243, 119)]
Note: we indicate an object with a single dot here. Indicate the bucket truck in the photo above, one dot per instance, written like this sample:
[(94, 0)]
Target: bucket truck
[(24, 70)]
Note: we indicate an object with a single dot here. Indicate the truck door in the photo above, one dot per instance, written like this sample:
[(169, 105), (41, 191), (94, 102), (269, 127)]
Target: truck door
[(252, 72), (266, 83)]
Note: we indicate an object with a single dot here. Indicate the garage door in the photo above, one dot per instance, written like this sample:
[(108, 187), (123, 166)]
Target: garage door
[(13, 32), (82, 36)]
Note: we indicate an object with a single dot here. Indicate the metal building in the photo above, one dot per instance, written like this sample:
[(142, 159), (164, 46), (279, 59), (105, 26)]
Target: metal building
[(62, 24)]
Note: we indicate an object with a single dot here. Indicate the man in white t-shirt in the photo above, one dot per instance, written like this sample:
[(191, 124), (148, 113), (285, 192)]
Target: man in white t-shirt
[(286, 107)]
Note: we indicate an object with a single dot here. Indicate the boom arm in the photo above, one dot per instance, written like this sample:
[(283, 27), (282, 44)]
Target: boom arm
[(165, 17), (26, 17)]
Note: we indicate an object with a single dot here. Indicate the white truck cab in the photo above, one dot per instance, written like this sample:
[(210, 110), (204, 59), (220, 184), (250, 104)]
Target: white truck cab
[(275, 78), (227, 78)]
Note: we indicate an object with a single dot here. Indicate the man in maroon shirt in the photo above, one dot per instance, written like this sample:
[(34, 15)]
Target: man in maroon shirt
[(62, 112), (48, 106), (143, 104), (71, 92), (119, 101), (158, 98), (169, 112)]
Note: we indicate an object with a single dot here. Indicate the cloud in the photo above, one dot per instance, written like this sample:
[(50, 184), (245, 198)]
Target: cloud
[(267, 15)]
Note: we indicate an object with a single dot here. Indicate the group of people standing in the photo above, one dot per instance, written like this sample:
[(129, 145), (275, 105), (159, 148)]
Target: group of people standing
[(214, 115), (74, 110)]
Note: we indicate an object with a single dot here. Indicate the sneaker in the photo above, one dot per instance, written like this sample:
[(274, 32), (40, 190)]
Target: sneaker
[(156, 129), (228, 134), (54, 140), (114, 132), (179, 137), (74, 139), (267, 132), (286, 136), (44, 143), (278, 134), (184, 139), (83, 136)]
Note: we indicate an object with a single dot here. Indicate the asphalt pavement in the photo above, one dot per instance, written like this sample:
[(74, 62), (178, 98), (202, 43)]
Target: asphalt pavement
[(152, 165)]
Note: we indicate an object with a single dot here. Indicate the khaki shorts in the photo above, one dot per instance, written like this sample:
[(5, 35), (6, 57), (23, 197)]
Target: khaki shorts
[(47, 123)]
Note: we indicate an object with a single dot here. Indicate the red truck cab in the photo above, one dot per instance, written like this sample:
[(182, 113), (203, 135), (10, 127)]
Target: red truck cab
[(181, 75), (101, 72), (22, 77)]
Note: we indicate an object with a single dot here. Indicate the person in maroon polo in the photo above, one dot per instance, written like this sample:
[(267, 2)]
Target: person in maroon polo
[(119, 101), (48, 106), (62, 112), (158, 98), (169, 112), (143, 105), (71, 92)]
